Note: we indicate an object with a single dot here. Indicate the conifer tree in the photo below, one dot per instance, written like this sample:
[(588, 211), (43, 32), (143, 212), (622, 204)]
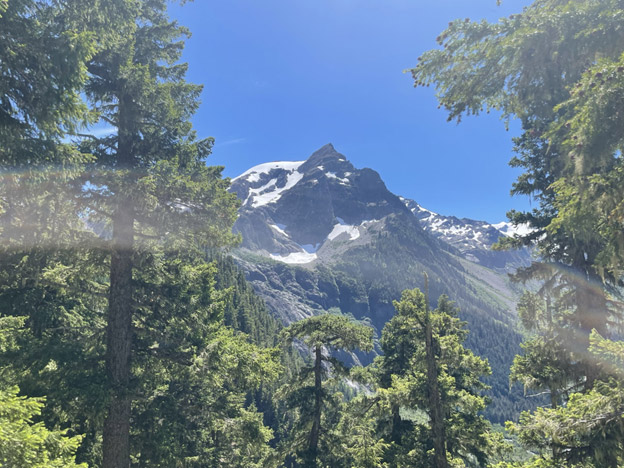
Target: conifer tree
[(25, 443), (430, 371), (322, 333), (588, 431), (360, 444), (536, 66), (44, 67), (155, 206), (149, 184)]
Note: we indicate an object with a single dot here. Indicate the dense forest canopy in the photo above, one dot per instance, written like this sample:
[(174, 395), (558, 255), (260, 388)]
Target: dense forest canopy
[(128, 337)]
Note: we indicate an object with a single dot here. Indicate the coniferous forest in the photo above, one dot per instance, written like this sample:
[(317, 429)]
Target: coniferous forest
[(129, 337)]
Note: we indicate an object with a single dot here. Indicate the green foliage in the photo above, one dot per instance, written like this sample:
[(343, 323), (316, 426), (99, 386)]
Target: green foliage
[(315, 407), (44, 65), (197, 413), (72, 213), (149, 186), (574, 369), (588, 128), (197, 388), (244, 310), (360, 446), (589, 430), (509, 64), (331, 331), (548, 362), (393, 263), (193, 372), (26, 444), (558, 67), (403, 380), (193, 376), (555, 66), (48, 276)]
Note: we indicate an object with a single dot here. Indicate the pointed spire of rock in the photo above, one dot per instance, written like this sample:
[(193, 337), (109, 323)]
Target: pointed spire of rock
[(325, 156)]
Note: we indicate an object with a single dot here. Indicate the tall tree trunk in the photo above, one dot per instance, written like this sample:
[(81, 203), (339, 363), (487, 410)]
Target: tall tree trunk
[(316, 422), (554, 394), (116, 437), (116, 443), (554, 397), (433, 392)]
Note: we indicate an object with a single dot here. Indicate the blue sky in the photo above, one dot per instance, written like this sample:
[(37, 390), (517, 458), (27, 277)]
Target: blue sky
[(284, 77)]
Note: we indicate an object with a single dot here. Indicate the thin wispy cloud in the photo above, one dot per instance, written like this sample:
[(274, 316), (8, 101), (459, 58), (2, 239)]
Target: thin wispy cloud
[(234, 141)]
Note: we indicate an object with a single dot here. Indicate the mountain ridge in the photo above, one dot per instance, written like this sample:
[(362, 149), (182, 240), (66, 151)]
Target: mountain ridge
[(265, 184)]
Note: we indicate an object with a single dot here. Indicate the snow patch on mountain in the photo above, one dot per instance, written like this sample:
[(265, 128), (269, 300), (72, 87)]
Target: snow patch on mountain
[(343, 180), (253, 174), (452, 226), (271, 192), (352, 231), (295, 257), (510, 230), (279, 228), (465, 234), (474, 239)]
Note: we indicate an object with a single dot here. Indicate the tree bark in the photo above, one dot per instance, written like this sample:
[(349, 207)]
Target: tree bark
[(116, 436), (395, 435), (433, 394), (592, 310), (316, 422), (116, 441)]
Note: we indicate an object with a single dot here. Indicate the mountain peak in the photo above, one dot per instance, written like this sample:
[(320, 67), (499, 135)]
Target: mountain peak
[(325, 149), (326, 156)]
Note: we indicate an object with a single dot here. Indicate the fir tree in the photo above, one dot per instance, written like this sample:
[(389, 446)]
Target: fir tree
[(309, 439), (135, 270), (25, 443), (426, 369), (148, 181)]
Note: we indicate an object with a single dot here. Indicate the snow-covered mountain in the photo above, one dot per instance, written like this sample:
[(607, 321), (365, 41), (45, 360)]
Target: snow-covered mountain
[(299, 212), (474, 239), (465, 234)]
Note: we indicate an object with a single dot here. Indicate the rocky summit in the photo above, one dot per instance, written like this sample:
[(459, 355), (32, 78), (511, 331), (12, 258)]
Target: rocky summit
[(292, 210), (297, 212)]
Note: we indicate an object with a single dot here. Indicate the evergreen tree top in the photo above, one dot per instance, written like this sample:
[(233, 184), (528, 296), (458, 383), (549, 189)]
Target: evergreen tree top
[(333, 331)]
